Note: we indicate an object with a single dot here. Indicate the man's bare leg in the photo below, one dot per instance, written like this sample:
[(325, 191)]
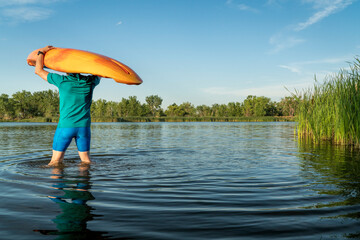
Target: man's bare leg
[(57, 158), (85, 157)]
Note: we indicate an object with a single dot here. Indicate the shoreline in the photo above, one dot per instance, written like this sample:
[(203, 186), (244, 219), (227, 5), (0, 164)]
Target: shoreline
[(168, 119)]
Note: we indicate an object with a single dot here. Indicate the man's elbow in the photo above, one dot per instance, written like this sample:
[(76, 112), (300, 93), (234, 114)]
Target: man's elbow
[(42, 73), (37, 72)]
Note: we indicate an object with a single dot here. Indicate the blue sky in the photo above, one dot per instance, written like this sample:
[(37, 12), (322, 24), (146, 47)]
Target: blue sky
[(201, 51)]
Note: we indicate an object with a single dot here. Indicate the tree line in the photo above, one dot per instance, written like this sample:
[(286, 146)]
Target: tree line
[(27, 105)]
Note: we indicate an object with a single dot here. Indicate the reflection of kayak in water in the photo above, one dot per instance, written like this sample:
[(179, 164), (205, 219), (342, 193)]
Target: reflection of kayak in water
[(74, 196)]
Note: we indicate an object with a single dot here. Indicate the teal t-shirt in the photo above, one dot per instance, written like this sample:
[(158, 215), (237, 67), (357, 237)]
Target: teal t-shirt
[(76, 93)]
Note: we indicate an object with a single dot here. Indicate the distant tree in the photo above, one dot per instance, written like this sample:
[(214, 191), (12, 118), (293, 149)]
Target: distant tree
[(123, 107), (219, 110), (175, 111), (154, 103), (215, 110), (25, 105), (7, 110), (145, 111), (131, 107), (249, 106), (47, 103), (135, 107), (188, 108), (203, 111), (261, 105), (235, 109), (223, 110), (258, 106), (288, 106), (98, 108), (111, 109), (272, 109)]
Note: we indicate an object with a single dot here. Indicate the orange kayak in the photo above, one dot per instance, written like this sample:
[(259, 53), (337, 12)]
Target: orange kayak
[(78, 61)]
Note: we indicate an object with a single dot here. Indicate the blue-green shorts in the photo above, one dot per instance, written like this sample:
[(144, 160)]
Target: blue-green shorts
[(64, 136)]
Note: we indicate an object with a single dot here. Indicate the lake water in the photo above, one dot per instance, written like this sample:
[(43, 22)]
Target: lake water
[(178, 181)]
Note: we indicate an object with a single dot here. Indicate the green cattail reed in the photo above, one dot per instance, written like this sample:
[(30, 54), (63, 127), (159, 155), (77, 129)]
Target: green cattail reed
[(331, 110)]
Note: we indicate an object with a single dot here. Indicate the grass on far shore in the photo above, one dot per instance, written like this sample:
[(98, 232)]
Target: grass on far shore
[(170, 119)]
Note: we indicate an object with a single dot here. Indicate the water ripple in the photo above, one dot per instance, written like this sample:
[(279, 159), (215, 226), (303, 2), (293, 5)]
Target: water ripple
[(179, 181)]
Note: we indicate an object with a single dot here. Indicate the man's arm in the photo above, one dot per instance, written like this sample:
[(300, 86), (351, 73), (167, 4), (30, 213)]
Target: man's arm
[(39, 67), (97, 80)]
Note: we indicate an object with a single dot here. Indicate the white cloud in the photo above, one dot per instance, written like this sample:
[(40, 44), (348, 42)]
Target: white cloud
[(15, 11), (291, 68), (272, 2), (325, 8), (4, 3), (327, 60), (244, 7), (280, 43), (119, 23), (320, 67), (241, 6), (25, 14), (274, 92)]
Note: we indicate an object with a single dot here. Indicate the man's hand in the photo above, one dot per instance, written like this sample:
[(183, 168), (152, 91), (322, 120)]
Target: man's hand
[(39, 67), (45, 49)]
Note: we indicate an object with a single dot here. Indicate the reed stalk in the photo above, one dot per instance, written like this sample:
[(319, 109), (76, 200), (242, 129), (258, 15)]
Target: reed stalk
[(331, 110)]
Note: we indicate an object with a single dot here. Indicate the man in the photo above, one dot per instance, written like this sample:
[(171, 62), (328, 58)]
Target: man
[(76, 93)]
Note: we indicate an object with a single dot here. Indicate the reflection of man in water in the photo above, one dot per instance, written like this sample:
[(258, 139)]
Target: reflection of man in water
[(76, 93), (71, 223), (75, 211)]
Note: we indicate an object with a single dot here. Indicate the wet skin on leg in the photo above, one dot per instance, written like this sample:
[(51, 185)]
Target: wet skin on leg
[(85, 157), (57, 158)]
